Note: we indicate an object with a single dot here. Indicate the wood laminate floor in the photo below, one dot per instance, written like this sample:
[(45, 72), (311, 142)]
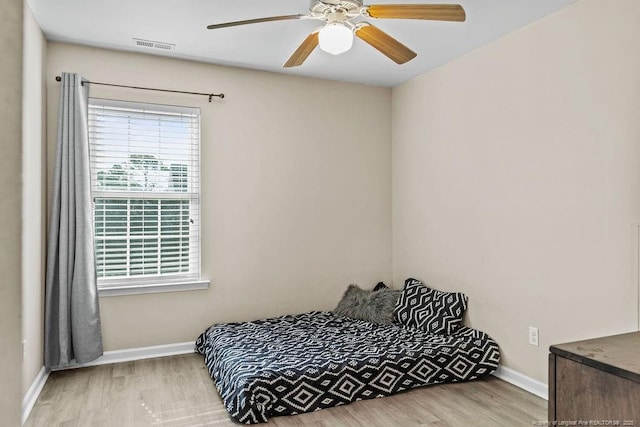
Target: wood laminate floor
[(177, 391)]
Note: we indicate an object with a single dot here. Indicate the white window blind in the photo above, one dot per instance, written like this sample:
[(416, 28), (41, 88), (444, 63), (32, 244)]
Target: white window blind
[(145, 173)]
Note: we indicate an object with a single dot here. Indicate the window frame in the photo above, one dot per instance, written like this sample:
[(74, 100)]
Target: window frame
[(167, 282)]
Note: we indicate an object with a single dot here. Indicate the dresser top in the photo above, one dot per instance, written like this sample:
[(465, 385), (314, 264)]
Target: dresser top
[(616, 354)]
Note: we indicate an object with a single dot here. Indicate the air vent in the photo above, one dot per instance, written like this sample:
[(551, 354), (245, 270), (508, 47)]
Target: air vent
[(153, 44)]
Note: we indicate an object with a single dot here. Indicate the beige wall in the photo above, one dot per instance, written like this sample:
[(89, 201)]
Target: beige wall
[(295, 190), (33, 196), (516, 179), (10, 201)]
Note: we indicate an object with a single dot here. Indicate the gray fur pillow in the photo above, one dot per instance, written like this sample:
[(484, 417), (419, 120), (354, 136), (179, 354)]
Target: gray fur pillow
[(374, 307)]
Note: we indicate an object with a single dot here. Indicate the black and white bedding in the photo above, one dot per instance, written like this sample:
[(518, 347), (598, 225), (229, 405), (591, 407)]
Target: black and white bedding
[(302, 363)]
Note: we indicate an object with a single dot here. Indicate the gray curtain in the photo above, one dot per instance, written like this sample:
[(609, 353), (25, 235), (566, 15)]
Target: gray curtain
[(72, 311)]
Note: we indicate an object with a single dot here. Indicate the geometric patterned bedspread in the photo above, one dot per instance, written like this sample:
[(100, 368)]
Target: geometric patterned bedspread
[(301, 363)]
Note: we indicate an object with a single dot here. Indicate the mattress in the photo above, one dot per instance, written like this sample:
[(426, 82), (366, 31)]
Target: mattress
[(302, 363)]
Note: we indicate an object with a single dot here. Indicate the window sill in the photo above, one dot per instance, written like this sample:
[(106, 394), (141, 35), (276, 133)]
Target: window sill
[(137, 289)]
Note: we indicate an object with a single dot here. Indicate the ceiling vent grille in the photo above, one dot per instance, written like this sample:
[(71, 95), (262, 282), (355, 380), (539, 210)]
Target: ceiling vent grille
[(150, 44)]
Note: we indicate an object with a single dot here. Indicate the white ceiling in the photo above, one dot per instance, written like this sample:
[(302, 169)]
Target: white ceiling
[(266, 46)]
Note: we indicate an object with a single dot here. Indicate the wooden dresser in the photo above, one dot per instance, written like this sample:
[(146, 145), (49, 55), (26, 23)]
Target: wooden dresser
[(596, 380)]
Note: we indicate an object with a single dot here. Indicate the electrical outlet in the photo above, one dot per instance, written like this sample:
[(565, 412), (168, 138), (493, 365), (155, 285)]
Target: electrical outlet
[(533, 336)]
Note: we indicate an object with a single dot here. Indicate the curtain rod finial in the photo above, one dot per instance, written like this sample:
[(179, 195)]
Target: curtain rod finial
[(58, 78), (219, 95)]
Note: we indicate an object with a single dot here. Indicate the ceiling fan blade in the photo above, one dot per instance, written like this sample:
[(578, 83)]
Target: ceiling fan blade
[(434, 12), (386, 44), (303, 51), (254, 21)]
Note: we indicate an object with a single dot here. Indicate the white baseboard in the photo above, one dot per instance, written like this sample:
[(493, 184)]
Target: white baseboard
[(522, 381), (130, 354), (32, 394)]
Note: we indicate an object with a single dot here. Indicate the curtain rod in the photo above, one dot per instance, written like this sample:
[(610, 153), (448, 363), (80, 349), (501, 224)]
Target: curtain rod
[(210, 95)]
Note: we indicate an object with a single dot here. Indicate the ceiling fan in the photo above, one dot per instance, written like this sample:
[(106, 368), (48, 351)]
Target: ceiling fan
[(344, 18)]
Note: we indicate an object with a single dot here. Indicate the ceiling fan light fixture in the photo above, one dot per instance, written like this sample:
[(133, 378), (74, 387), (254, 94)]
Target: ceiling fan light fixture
[(335, 38)]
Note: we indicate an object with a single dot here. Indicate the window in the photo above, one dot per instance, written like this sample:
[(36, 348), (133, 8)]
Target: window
[(145, 173)]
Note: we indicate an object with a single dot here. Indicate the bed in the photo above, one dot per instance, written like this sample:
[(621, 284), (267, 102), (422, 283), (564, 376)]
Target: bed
[(305, 362)]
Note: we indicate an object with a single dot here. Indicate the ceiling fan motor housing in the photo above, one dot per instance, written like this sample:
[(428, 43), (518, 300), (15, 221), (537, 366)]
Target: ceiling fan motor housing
[(337, 17), (351, 8)]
